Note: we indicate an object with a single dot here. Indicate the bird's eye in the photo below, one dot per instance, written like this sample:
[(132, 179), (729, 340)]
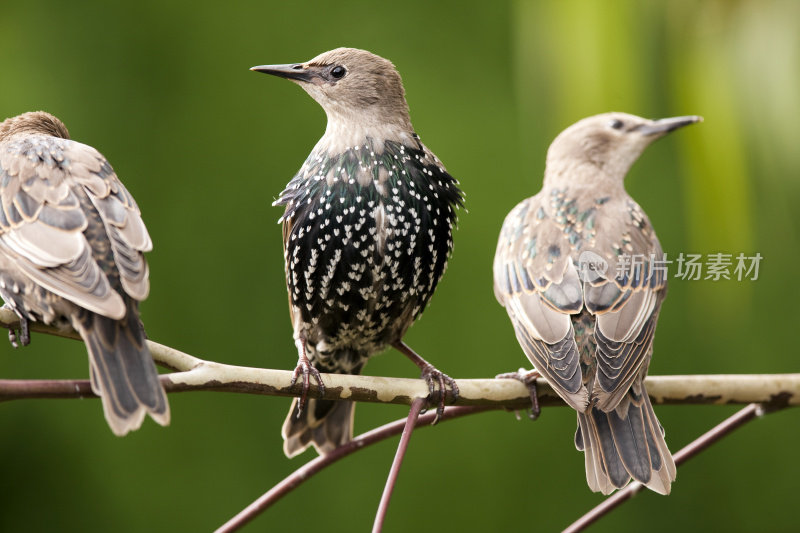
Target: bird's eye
[(338, 72), (616, 124)]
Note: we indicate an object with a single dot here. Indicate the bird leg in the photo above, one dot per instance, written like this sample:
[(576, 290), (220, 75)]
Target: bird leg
[(24, 334), (529, 380), (305, 368), (432, 377)]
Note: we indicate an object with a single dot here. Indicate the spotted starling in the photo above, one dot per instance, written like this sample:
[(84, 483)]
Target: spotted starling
[(582, 275), (367, 232), (71, 243)]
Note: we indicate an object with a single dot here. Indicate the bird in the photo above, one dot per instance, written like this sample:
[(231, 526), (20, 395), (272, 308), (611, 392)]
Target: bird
[(582, 275), (367, 234), (71, 255)]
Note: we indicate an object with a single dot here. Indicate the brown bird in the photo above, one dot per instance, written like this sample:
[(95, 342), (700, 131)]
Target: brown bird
[(71, 254), (582, 275), (367, 234)]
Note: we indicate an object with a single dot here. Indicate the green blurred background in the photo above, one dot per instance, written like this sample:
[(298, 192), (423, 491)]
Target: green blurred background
[(163, 90)]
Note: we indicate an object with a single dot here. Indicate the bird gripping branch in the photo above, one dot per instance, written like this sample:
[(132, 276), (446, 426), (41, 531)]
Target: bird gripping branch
[(582, 276), (367, 234)]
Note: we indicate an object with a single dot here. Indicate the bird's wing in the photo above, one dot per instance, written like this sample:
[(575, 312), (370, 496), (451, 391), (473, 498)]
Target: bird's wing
[(286, 226), (539, 287), (120, 215), (626, 300), (45, 186)]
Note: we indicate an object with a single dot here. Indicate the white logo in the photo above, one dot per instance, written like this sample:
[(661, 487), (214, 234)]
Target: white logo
[(591, 267)]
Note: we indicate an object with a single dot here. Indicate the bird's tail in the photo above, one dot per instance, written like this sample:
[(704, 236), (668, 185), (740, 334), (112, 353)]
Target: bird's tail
[(625, 443), (325, 424), (122, 370)]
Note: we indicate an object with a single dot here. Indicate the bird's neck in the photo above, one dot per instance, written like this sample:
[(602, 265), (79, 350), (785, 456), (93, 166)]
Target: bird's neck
[(583, 176), (346, 132)]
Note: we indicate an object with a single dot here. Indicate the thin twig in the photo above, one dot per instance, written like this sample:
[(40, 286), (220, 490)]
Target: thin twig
[(708, 438), (306, 471), (405, 438)]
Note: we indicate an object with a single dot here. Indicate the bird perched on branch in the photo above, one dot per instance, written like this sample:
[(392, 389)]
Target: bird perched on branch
[(71, 244), (582, 275), (367, 232)]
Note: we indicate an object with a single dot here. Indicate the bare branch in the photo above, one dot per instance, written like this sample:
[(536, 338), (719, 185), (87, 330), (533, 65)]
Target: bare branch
[(194, 374), (394, 471), (764, 392), (306, 471), (393, 428)]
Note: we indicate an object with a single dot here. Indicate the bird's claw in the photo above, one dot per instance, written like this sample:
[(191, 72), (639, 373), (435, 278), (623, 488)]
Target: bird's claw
[(12, 337), (527, 378), (308, 371), (434, 377), (24, 334)]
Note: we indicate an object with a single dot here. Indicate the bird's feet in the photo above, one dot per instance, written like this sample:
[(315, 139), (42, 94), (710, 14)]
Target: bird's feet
[(307, 370), (24, 334), (432, 377), (527, 378)]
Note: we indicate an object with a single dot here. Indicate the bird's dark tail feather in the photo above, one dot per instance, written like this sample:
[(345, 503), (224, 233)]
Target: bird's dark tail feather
[(325, 424), (122, 370), (621, 445)]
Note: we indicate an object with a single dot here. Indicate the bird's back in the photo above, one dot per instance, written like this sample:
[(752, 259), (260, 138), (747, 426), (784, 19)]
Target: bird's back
[(567, 259), (71, 254), (70, 225)]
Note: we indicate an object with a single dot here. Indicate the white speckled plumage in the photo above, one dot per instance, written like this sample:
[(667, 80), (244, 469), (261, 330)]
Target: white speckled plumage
[(367, 229)]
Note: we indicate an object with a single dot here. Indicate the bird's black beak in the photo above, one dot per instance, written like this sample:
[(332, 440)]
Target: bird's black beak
[(666, 125), (296, 72)]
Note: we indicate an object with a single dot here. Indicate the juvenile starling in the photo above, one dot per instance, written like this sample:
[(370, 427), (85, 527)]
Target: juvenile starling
[(71, 243), (367, 232), (582, 275)]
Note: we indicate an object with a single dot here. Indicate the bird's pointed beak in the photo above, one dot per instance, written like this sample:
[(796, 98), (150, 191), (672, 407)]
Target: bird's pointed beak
[(666, 125), (294, 72)]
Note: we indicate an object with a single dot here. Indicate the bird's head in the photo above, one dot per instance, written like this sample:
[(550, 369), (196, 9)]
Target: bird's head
[(33, 122), (353, 86), (606, 145)]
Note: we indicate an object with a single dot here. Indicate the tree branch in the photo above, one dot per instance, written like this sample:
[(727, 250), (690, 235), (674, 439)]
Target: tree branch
[(312, 467), (373, 436), (193, 373), (391, 481), (765, 392)]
